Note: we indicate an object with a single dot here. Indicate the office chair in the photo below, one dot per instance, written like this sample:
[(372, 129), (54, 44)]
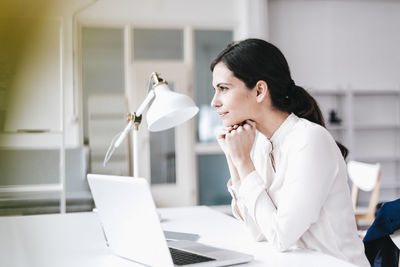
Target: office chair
[(382, 240), (396, 240), (365, 177)]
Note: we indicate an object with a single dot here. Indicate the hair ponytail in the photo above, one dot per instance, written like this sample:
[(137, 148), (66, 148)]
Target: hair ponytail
[(301, 103), (252, 60)]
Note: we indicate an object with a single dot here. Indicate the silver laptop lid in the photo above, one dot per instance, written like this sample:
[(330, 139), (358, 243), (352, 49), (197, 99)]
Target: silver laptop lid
[(129, 218)]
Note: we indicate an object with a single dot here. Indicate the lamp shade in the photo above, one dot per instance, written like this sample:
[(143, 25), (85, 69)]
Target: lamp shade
[(169, 109)]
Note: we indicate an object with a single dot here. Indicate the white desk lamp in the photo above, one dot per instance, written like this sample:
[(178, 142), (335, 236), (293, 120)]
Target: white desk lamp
[(168, 110)]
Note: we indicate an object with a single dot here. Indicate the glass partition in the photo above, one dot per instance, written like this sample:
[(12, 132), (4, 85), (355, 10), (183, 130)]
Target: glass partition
[(213, 172), (161, 45), (103, 97), (157, 44)]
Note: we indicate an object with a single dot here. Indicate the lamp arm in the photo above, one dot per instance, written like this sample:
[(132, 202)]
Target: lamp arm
[(150, 96), (135, 119), (123, 134)]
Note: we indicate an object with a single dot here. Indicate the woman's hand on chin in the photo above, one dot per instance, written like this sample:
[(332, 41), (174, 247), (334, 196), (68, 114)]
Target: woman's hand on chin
[(221, 134), (238, 143)]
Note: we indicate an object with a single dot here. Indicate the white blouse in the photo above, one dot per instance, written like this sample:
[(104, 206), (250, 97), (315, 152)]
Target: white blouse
[(302, 199)]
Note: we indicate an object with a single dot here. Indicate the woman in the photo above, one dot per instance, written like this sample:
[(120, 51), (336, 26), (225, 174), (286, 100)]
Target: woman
[(288, 175)]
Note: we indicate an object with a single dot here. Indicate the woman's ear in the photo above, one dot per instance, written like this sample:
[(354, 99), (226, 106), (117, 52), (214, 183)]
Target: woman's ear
[(261, 91)]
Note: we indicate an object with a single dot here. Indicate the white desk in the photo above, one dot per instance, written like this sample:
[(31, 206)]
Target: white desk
[(76, 239)]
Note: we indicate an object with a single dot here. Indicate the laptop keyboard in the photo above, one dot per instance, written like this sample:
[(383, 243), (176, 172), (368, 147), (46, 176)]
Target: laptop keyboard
[(180, 257)]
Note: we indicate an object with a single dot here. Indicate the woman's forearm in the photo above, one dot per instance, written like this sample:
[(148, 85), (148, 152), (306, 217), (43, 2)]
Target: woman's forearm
[(232, 170)]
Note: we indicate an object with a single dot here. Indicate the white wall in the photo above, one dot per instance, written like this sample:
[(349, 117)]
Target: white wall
[(253, 17), (333, 43)]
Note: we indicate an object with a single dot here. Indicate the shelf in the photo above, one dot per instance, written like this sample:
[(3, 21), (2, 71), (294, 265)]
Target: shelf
[(26, 140), (390, 186), (366, 127), (332, 127), (31, 132), (31, 188), (208, 149), (373, 159), (355, 92), (327, 92), (375, 92)]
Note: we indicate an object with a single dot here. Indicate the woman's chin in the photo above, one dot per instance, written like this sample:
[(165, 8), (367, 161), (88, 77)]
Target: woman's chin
[(227, 123)]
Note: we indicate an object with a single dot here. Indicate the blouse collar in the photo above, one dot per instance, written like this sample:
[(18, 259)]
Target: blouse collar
[(284, 129)]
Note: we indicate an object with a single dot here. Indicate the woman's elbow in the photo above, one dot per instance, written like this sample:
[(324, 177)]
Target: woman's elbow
[(282, 247), (259, 237), (281, 243)]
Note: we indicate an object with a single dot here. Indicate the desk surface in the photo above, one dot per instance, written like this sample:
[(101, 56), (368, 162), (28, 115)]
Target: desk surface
[(76, 239)]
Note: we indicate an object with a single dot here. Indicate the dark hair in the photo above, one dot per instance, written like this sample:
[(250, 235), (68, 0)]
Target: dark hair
[(252, 60)]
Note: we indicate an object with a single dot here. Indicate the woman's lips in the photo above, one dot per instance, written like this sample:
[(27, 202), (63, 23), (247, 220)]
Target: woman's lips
[(222, 114)]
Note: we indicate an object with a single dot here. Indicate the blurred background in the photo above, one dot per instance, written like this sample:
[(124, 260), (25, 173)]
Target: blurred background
[(71, 70)]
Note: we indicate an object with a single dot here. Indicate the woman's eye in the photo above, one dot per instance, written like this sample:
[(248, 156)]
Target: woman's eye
[(223, 88)]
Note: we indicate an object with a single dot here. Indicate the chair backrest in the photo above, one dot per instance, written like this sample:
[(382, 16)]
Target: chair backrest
[(366, 177)]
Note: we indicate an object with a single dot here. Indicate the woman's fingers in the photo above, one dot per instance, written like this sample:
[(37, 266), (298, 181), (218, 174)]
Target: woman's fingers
[(238, 129), (251, 123), (223, 131)]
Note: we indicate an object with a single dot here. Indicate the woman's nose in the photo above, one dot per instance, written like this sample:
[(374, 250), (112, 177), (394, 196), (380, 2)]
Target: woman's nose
[(215, 101)]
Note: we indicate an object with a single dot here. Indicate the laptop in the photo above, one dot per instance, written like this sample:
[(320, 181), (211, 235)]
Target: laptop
[(133, 231)]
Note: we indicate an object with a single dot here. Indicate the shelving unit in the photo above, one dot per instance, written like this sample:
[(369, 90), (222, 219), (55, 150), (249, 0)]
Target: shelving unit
[(370, 129), (39, 139), (211, 170)]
